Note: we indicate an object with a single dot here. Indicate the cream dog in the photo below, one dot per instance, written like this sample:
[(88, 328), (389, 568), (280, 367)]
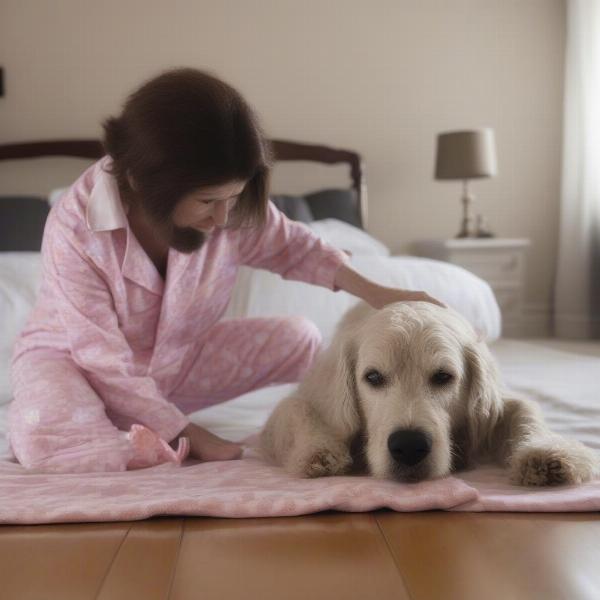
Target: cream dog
[(408, 392)]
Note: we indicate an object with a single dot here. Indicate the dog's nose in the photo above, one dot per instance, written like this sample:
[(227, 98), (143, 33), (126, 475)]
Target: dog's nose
[(409, 446)]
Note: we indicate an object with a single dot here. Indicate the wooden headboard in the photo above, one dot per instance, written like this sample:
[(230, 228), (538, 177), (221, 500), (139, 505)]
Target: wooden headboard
[(283, 150)]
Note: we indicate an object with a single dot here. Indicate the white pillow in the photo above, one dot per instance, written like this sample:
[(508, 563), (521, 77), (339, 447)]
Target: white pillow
[(20, 276), (259, 293), (347, 237)]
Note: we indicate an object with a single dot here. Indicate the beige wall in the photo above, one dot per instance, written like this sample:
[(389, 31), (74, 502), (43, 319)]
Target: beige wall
[(382, 77)]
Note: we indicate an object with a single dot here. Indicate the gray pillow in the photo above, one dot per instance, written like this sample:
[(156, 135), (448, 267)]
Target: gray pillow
[(334, 204), (293, 207), (22, 220)]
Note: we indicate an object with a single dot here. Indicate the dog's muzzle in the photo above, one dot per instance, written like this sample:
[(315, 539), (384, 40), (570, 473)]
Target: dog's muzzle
[(409, 447)]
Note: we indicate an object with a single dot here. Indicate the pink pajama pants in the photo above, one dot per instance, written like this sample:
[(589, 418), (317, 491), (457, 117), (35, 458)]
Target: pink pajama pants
[(58, 423)]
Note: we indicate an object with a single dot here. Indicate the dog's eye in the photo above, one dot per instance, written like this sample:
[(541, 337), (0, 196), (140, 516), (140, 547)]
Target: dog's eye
[(375, 378), (441, 378)]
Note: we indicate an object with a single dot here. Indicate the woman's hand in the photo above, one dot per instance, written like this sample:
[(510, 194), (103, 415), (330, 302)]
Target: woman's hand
[(206, 446), (376, 295)]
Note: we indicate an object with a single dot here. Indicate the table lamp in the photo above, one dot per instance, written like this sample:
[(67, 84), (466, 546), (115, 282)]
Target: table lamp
[(466, 155)]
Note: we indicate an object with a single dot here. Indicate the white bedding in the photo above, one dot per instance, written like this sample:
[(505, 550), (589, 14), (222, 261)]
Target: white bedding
[(562, 376)]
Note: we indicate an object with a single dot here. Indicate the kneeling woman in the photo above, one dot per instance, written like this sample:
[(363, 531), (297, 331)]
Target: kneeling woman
[(139, 261)]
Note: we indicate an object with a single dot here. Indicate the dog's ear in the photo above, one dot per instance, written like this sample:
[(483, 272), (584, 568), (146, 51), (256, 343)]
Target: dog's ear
[(484, 402), (346, 409), (336, 398)]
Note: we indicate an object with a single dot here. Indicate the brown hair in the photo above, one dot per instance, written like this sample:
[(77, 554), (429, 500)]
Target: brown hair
[(183, 130)]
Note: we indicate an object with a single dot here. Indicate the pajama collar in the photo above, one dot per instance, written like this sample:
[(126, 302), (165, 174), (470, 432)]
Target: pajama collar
[(105, 210)]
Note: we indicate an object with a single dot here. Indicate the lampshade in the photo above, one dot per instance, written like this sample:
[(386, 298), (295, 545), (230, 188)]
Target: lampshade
[(466, 154)]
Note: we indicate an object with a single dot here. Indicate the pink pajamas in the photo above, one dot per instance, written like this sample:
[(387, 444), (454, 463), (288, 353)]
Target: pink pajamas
[(110, 343)]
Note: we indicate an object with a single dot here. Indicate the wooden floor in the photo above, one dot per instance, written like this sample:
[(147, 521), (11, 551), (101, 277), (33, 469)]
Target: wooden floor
[(379, 555)]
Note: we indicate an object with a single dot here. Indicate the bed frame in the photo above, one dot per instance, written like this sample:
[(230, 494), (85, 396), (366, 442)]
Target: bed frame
[(378, 555), (283, 150)]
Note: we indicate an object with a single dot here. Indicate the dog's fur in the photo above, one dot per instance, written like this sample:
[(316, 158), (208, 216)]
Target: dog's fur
[(338, 422)]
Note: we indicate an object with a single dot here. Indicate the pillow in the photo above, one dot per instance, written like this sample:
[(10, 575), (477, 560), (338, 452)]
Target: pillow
[(347, 237), (336, 204), (22, 221), (259, 293), (293, 207), (20, 276)]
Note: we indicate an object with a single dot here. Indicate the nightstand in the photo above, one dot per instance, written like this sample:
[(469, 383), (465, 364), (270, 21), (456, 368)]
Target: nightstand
[(500, 261)]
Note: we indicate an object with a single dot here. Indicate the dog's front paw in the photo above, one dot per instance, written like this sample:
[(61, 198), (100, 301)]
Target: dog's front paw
[(553, 462), (321, 462)]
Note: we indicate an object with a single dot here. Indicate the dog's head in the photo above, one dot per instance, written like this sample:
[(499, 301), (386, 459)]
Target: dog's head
[(420, 383)]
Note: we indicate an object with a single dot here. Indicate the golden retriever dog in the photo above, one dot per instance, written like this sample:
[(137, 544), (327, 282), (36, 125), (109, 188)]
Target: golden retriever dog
[(409, 392)]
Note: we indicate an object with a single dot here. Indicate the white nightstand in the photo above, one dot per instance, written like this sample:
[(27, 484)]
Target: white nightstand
[(501, 262)]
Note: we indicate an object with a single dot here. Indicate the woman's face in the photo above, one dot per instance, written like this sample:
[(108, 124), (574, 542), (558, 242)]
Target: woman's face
[(199, 212), (206, 208)]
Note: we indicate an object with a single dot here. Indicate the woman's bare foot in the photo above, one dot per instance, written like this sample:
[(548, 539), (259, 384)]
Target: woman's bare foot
[(207, 446)]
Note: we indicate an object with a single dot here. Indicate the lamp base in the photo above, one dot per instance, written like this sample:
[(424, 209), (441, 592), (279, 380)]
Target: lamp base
[(468, 229)]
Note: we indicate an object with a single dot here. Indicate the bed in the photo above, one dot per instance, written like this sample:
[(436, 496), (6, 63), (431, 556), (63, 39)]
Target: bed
[(379, 553)]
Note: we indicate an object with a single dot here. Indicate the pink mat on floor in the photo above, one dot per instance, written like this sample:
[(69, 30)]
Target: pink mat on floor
[(251, 488)]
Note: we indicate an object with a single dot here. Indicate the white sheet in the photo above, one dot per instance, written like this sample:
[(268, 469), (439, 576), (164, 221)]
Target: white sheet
[(563, 377)]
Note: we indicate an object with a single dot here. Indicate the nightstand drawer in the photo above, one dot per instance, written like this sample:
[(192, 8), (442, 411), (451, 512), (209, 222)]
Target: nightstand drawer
[(494, 267)]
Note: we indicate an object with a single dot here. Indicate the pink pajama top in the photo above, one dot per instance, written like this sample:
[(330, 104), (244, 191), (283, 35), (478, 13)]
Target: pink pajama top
[(103, 302)]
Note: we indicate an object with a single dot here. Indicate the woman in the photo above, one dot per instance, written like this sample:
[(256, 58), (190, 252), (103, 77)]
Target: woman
[(139, 260)]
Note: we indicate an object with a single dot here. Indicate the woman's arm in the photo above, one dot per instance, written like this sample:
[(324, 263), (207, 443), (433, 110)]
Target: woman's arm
[(296, 252), (376, 295), (290, 249)]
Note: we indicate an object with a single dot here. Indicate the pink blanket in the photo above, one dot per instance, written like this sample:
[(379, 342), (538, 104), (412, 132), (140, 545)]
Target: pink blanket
[(251, 488)]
